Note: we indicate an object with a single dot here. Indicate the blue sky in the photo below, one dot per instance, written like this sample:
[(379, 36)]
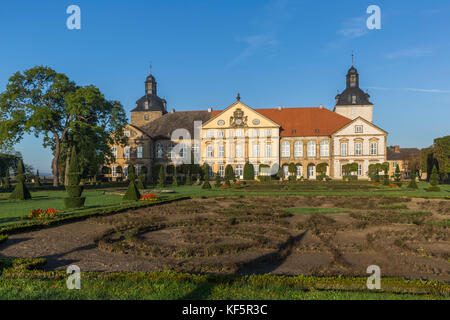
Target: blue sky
[(280, 52)]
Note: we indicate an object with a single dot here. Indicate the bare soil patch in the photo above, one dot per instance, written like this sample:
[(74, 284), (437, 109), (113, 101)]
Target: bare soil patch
[(243, 235)]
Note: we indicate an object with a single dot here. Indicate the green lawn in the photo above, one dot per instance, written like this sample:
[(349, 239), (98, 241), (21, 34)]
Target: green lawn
[(11, 211), (170, 286), (316, 210)]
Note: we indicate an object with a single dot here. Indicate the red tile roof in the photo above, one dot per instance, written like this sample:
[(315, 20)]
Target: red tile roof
[(303, 122)]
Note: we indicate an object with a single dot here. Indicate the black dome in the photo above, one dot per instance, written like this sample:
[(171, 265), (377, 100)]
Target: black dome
[(150, 102)]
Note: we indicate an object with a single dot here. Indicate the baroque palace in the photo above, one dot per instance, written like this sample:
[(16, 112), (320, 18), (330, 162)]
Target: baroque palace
[(267, 138)]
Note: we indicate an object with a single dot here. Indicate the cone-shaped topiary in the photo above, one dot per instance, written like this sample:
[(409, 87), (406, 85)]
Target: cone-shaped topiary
[(37, 181), (188, 178), (132, 192), (73, 188), (20, 192), (175, 177), (206, 184), (434, 180), (218, 181), (141, 181), (161, 178), (412, 184)]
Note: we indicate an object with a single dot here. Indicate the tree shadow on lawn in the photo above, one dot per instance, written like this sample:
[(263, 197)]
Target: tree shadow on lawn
[(263, 264)]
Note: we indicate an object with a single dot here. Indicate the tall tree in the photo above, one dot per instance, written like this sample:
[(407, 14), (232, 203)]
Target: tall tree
[(47, 104)]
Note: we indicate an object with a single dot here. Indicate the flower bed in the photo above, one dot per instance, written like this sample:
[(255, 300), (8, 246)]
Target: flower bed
[(41, 214), (149, 197)]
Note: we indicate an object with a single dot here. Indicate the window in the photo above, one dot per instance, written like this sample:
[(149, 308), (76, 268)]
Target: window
[(394, 165), (220, 133), (311, 171), (268, 150), (114, 171), (255, 132), (353, 99), (126, 152), (286, 170), (358, 148), (140, 151), (324, 148), (209, 151), (344, 148), (238, 151), (239, 133), (311, 149), (373, 148), (255, 170), (209, 133), (221, 150), (146, 117), (256, 150), (359, 169), (127, 133), (298, 149), (285, 149), (125, 172), (210, 170), (268, 132), (358, 129), (239, 170), (222, 170), (114, 151), (195, 148), (299, 170), (159, 150)]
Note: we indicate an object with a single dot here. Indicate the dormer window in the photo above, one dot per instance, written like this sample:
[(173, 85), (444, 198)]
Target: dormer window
[(146, 105), (358, 129), (353, 81), (353, 99)]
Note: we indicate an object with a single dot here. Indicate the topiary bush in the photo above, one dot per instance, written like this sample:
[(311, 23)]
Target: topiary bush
[(249, 171), (132, 193), (397, 176), (161, 177), (206, 184), (20, 192), (412, 184), (434, 180), (229, 173), (175, 177), (73, 188), (218, 181), (188, 178)]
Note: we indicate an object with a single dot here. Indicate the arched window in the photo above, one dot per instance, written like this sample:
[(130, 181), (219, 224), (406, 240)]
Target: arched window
[(286, 170), (298, 149), (299, 170), (311, 171), (311, 149), (285, 149), (324, 148)]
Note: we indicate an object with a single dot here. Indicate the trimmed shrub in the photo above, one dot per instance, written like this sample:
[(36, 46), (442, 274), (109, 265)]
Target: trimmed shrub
[(229, 173), (132, 192), (218, 181), (397, 176), (292, 169), (206, 184), (412, 184), (161, 177), (434, 180), (175, 177), (386, 181), (249, 171), (188, 178), (73, 188), (20, 192)]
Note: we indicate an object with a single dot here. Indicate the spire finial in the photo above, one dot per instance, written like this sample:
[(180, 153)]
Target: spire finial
[(150, 67), (238, 98), (353, 59)]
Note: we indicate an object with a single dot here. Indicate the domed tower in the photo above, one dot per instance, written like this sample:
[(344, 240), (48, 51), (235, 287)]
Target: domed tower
[(353, 102), (150, 106)]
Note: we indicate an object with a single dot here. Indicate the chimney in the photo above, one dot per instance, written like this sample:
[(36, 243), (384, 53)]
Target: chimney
[(397, 149), (209, 109), (321, 106), (280, 108), (172, 111)]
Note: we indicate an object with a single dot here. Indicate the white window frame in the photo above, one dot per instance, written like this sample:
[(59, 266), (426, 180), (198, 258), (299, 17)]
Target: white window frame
[(344, 148), (360, 170), (311, 149), (299, 171), (324, 148), (222, 170), (238, 150), (358, 150), (239, 170), (114, 152), (373, 148), (286, 170), (268, 132), (221, 150), (285, 149), (159, 150), (268, 150), (209, 151), (358, 129), (126, 153), (256, 150), (298, 149)]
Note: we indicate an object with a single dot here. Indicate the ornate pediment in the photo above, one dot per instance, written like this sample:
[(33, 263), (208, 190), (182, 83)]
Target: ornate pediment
[(238, 119)]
